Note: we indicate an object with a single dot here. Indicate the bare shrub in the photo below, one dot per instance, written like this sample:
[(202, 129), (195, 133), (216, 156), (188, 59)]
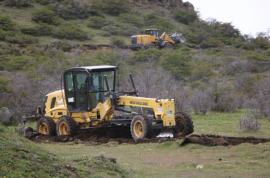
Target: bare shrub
[(260, 100), (249, 122), (5, 115), (182, 102), (220, 90), (154, 82), (29, 92), (200, 101)]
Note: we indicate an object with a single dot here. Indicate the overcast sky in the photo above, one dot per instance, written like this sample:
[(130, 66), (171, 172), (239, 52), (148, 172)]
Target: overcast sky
[(249, 16)]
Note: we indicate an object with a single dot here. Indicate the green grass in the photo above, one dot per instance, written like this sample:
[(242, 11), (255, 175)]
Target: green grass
[(22, 158), (226, 124), (170, 160), (21, 16)]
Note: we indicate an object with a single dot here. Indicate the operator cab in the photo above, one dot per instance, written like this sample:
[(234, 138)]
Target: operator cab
[(152, 32), (85, 86)]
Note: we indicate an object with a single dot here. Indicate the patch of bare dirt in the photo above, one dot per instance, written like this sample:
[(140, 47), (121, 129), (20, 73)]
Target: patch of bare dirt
[(218, 140), (121, 135)]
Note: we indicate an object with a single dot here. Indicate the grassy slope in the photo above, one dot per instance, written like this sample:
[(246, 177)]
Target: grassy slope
[(23, 158), (22, 17), (170, 160)]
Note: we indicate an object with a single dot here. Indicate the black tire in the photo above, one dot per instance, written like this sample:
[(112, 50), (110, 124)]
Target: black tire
[(141, 127), (190, 122), (168, 46), (66, 126), (184, 125), (46, 126), (150, 46)]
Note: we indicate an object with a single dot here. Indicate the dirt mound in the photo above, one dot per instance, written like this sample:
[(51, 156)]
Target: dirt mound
[(217, 140)]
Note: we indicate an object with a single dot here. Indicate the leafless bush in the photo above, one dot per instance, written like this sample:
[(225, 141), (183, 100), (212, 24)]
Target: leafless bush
[(28, 93), (242, 89), (261, 98), (200, 101), (236, 66), (154, 82), (249, 122), (182, 102), (5, 115), (243, 83), (221, 92)]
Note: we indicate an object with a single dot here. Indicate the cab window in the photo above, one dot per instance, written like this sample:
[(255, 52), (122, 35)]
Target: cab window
[(53, 102)]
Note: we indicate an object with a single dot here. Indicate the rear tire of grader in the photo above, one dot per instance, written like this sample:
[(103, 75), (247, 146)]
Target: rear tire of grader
[(184, 125), (46, 126), (141, 127), (66, 126)]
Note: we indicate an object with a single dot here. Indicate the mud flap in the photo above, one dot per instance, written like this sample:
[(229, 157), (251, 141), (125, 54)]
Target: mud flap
[(165, 133)]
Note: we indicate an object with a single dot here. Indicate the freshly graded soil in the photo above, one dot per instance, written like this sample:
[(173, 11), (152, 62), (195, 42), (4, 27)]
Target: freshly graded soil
[(122, 135), (101, 136)]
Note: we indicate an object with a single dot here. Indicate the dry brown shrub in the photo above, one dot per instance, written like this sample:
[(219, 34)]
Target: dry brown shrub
[(249, 122)]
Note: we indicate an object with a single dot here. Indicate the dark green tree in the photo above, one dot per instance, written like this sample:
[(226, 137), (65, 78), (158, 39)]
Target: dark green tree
[(4, 88), (112, 7), (5, 23), (178, 62), (44, 15), (96, 22), (185, 16)]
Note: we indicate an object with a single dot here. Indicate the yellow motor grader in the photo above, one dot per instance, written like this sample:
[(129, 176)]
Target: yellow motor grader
[(151, 39), (88, 100)]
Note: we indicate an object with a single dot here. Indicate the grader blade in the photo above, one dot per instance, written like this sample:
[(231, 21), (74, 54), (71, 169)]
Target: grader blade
[(166, 133), (28, 132)]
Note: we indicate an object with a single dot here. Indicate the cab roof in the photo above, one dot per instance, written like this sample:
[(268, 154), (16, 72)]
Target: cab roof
[(151, 29), (92, 68)]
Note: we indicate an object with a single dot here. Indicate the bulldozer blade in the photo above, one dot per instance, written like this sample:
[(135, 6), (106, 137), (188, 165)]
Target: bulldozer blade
[(166, 133), (177, 37)]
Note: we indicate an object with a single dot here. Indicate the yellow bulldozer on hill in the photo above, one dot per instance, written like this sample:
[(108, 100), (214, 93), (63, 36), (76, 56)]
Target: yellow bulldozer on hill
[(88, 100), (151, 39)]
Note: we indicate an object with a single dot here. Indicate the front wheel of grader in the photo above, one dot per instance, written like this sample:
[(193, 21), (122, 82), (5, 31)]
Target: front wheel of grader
[(184, 125), (141, 127)]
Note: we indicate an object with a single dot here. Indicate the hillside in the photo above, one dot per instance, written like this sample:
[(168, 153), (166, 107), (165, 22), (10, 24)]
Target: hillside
[(22, 158), (218, 69)]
